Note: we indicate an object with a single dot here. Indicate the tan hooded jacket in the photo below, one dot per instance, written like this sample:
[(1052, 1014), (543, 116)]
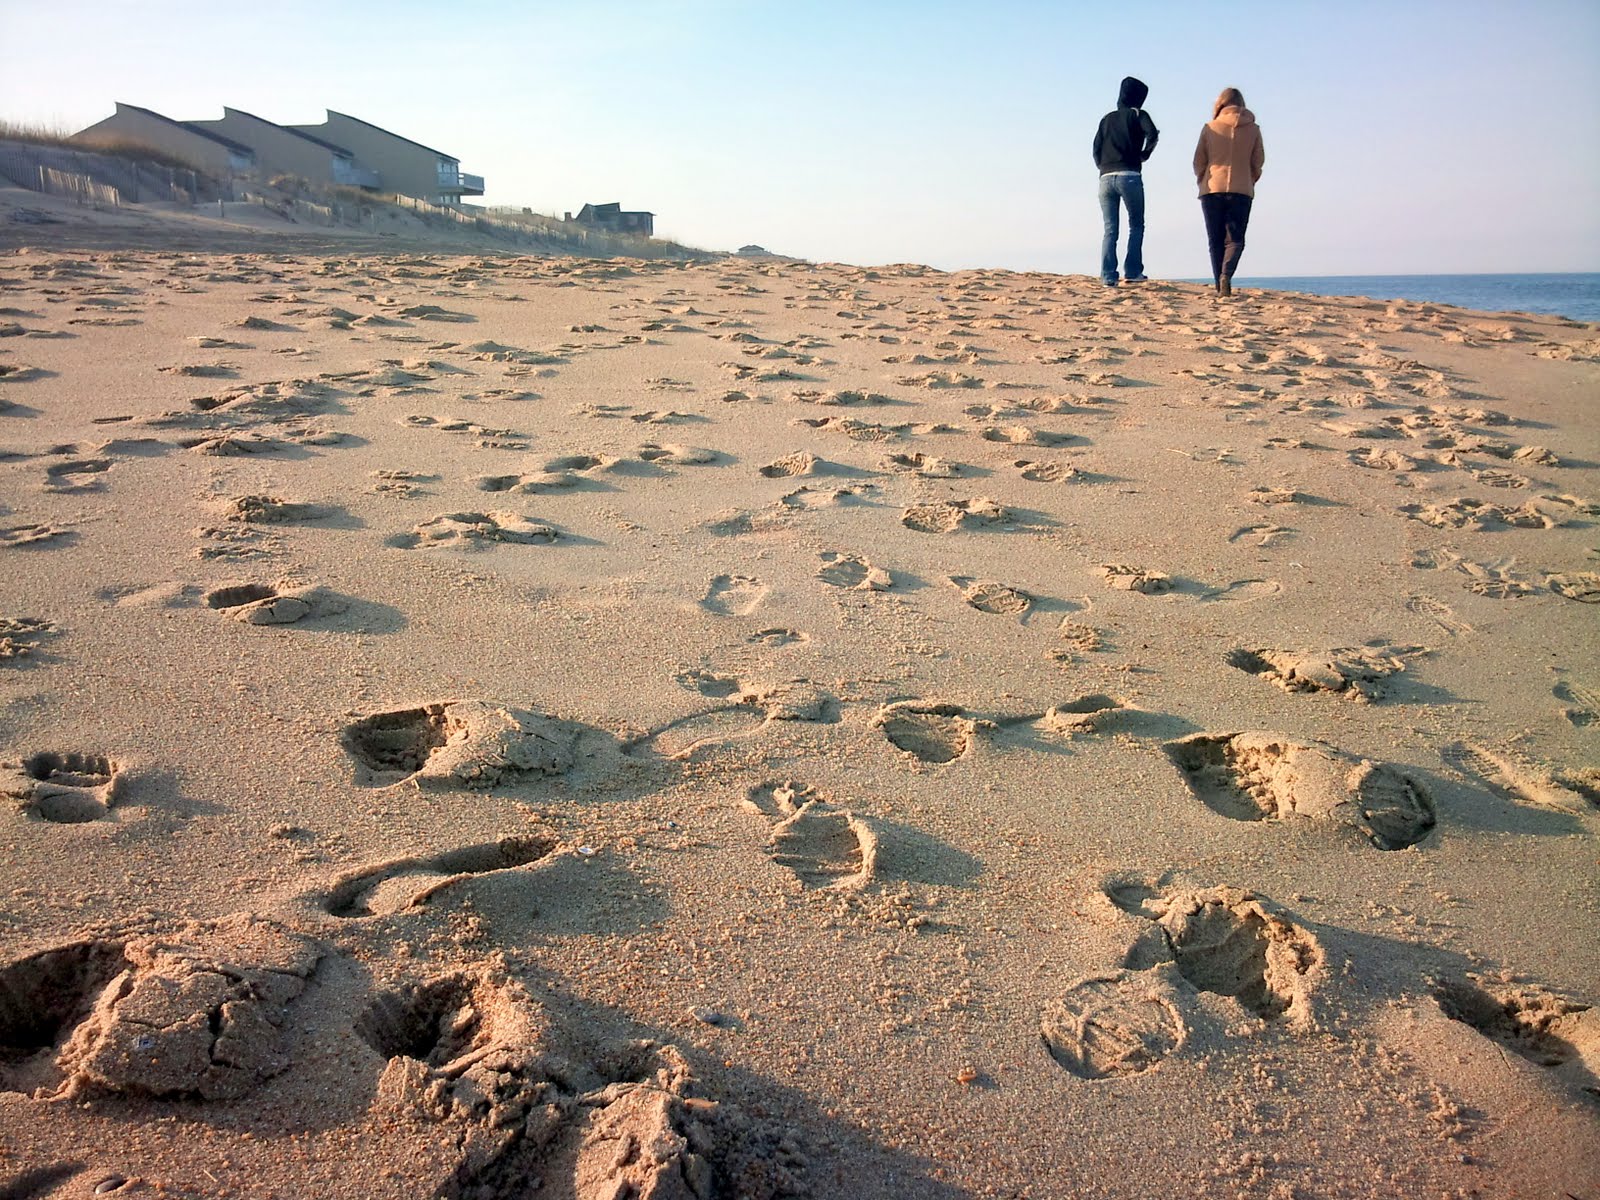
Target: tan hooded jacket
[(1229, 156)]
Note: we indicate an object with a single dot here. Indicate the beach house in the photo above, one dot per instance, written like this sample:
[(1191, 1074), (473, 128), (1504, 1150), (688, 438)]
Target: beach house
[(406, 167), (613, 219), (286, 150), (209, 150)]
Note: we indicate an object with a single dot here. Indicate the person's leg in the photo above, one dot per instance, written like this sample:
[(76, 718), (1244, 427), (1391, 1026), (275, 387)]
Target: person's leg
[(1211, 208), (1238, 218), (1108, 242), (1133, 196)]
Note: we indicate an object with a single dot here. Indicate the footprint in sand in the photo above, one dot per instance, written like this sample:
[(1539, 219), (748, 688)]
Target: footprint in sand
[(1383, 460), (451, 1019), (553, 474), (233, 445), (1046, 472), (930, 732), (1519, 782), (269, 510), (64, 787), (825, 846), (15, 536), (21, 637), (1243, 591), (843, 399), (947, 516), (1358, 672), (734, 595), (809, 498), (404, 884), (928, 466), (203, 370), (200, 1014), (674, 455), (43, 999), (1126, 578), (77, 475), (1500, 479), (854, 572), (1106, 1026), (1021, 435), (475, 531), (1479, 516), (750, 709), (1264, 534), (1582, 586), (1547, 1029), (1440, 613), (542, 1107), (282, 603), (709, 683), (468, 743), (988, 596), (1229, 942), (778, 637), (1086, 714), (681, 738), (1085, 639), (1263, 776), (1581, 702), (790, 465)]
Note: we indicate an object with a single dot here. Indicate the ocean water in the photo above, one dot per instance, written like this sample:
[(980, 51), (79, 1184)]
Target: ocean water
[(1568, 295)]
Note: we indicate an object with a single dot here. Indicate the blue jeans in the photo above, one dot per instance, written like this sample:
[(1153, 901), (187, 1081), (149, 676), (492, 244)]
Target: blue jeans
[(1128, 187)]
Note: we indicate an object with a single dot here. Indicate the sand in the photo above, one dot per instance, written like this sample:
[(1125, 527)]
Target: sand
[(492, 726)]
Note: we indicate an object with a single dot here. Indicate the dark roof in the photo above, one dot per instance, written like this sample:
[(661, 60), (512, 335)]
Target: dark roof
[(395, 136), (236, 147), (291, 129), (614, 209)]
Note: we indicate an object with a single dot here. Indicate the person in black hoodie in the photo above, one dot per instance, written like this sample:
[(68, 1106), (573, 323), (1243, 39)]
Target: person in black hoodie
[(1123, 142)]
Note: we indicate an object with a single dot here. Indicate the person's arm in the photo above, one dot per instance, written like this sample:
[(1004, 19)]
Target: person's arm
[(1099, 142), (1151, 133), (1258, 156), (1201, 162)]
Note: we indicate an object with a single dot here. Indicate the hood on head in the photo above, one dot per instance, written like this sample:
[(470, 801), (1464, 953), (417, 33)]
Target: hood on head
[(1231, 118), (1132, 93)]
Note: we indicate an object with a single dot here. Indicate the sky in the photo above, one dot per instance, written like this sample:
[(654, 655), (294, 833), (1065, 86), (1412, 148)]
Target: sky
[(1401, 136)]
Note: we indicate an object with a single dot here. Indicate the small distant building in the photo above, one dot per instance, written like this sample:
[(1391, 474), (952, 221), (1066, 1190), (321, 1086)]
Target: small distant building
[(406, 167), (283, 149), (611, 218), (208, 149)]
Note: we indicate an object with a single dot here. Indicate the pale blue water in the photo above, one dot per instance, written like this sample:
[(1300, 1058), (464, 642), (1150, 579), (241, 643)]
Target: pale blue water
[(1569, 295)]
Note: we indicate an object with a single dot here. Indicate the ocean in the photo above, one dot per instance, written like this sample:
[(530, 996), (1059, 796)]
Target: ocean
[(1574, 295)]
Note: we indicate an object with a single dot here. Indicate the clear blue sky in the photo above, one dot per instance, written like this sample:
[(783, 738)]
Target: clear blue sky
[(1409, 136)]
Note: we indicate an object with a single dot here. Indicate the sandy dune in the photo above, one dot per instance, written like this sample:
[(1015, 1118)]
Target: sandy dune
[(488, 726)]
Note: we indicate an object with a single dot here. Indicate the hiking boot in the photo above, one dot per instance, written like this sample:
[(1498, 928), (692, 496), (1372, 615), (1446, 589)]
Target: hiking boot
[(1225, 287)]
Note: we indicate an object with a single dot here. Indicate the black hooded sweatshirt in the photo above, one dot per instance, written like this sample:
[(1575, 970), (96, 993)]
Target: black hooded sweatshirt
[(1127, 136)]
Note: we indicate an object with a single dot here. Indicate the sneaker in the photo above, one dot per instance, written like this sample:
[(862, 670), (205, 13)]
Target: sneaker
[(1136, 279), (1109, 282), (1225, 288)]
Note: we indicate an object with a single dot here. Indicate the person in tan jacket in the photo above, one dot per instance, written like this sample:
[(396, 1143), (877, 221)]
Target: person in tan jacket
[(1227, 163)]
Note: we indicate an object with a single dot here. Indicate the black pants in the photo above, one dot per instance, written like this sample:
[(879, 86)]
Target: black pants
[(1227, 214)]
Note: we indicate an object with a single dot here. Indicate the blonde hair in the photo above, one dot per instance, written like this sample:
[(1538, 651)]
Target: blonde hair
[(1229, 98)]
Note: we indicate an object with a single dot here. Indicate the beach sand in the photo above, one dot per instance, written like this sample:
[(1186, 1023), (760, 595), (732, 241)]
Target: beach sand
[(491, 726)]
